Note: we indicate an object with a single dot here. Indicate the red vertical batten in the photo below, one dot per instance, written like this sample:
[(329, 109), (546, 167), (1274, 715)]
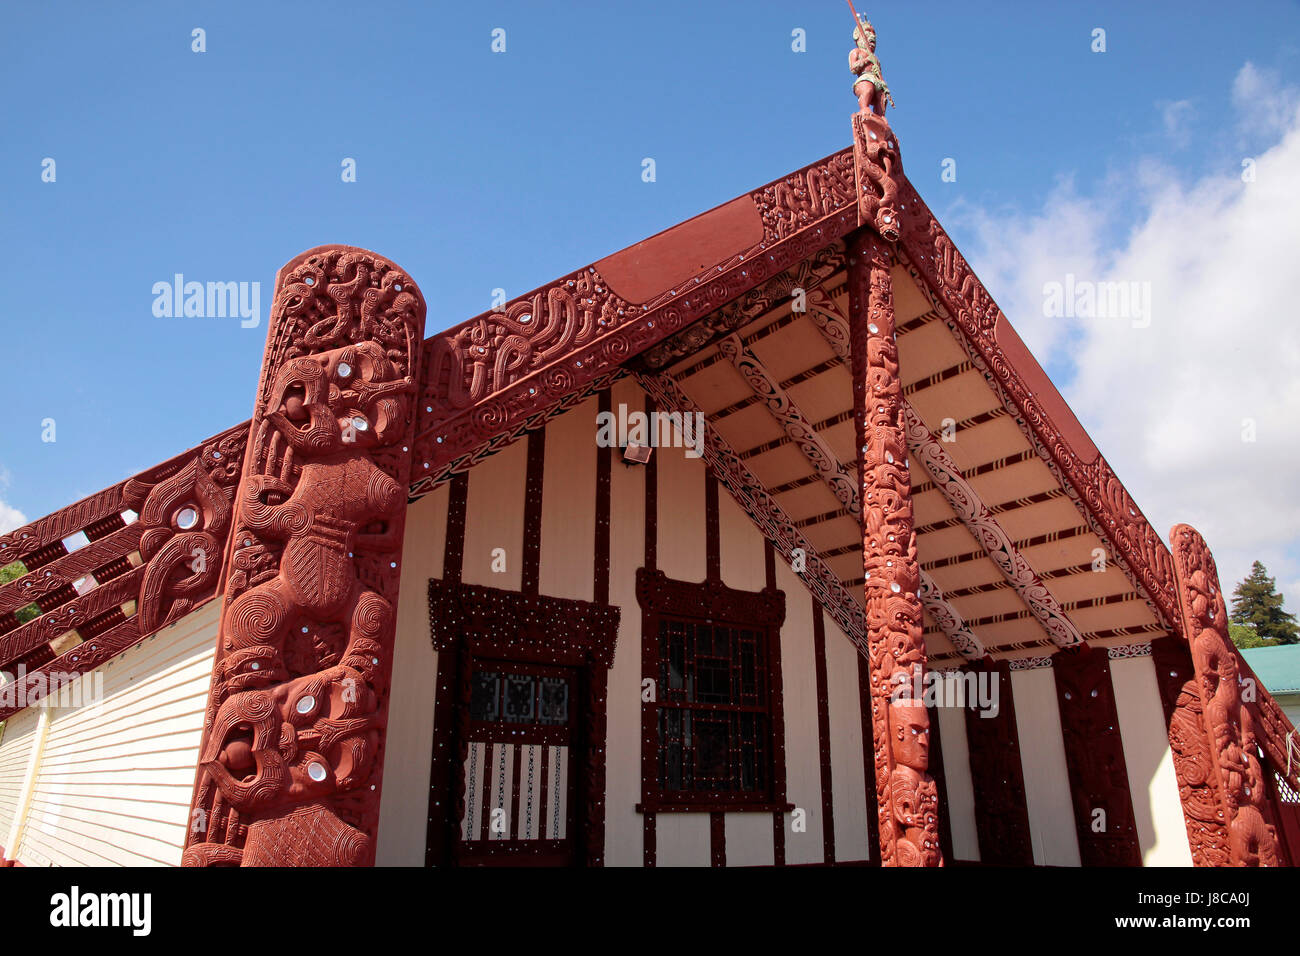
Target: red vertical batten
[(292, 757), (869, 762), (778, 710), (717, 838), (649, 650), (824, 733), (906, 794), (530, 568), (998, 778), (604, 468), (940, 784), (1094, 759)]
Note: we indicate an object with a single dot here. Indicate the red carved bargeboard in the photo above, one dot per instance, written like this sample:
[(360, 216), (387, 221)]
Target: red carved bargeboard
[(292, 753), (1226, 721)]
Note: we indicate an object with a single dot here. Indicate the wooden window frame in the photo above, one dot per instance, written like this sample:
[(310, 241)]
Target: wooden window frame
[(709, 602)]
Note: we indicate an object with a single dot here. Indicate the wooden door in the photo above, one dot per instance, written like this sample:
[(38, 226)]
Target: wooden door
[(519, 769)]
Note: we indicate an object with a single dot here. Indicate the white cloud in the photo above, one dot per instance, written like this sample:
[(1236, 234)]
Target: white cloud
[(1261, 103), (1177, 118), (10, 518), (1168, 404)]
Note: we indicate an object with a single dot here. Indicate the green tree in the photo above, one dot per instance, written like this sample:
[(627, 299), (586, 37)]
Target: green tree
[(1256, 603), (1243, 635), (11, 572)]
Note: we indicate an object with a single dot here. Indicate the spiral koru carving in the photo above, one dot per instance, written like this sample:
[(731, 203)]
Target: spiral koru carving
[(292, 755)]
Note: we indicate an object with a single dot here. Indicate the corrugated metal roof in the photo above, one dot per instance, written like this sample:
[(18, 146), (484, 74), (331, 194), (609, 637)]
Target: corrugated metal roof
[(1278, 667)]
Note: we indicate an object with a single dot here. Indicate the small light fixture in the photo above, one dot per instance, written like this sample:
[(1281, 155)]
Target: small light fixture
[(634, 454)]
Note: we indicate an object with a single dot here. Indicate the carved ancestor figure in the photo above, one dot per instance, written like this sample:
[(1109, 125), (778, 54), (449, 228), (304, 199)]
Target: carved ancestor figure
[(1227, 722), (289, 767), (869, 85), (915, 794)]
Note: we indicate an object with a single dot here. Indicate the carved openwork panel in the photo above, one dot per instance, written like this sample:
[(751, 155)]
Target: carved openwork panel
[(154, 541), (292, 754)]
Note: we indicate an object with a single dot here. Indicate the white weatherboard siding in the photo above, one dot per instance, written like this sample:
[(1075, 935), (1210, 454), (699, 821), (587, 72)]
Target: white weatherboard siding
[(114, 781), (16, 751)]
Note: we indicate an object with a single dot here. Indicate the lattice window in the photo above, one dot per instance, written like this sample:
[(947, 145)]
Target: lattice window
[(714, 718), (499, 695), (1284, 791)]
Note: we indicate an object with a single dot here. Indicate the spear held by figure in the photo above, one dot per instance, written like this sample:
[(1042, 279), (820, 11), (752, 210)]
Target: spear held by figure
[(868, 84)]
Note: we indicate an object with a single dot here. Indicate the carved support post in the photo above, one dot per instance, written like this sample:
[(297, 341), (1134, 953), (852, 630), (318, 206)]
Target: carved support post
[(293, 746), (1227, 722), (906, 795)]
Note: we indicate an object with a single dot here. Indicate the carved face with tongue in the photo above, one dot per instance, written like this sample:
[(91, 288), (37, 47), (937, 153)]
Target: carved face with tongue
[(351, 396), (294, 742)]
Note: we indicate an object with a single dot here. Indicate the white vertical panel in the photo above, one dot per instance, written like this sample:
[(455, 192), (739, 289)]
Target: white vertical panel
[(749, 839), (566, 567), (681, 552), (799, 690), (624, 827), (1157, 807), (956, 772), (683, 839), (404, 800), (494, 517), (1042, 754), (848, 773)]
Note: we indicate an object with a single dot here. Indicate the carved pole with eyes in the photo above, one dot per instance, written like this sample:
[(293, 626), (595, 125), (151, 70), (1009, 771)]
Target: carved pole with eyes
[(292, 755)]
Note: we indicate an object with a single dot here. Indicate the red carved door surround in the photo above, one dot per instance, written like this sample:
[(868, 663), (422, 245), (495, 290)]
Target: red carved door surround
[(518, 770)]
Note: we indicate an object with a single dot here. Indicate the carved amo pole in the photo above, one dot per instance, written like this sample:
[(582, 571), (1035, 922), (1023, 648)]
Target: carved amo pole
[(293, 746), (906, 795), (1236, 776)]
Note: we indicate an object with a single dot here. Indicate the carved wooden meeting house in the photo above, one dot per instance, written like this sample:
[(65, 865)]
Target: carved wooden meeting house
[(764, 541)]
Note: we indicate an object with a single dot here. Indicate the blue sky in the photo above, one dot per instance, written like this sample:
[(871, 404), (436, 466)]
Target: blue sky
[(478, 170)]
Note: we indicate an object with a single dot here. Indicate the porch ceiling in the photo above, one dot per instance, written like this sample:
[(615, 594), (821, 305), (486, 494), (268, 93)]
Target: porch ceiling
[(778, 391)]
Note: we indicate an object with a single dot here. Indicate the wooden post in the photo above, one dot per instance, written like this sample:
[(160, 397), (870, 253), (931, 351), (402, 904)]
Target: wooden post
[(906, 795), (293, 743)]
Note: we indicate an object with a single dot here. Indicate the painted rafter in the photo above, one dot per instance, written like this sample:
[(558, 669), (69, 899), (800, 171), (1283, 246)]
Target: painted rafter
[(797, 427), (981, 523), (949, 620), (768, 516), (836, 476), (966, 503)]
